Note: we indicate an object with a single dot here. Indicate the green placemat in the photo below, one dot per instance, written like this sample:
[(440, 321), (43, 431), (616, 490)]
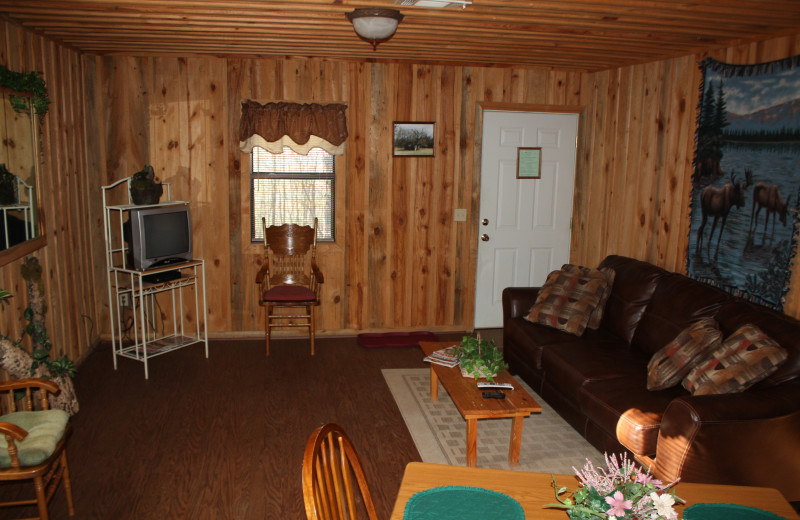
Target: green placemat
[(727, 512), (462, 503)]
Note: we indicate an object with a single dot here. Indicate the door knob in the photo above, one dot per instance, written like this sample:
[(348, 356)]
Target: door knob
[(485, 222), (485, 237)]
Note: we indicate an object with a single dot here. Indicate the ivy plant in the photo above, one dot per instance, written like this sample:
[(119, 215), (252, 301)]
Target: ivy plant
[(480, 358), (25, 82)]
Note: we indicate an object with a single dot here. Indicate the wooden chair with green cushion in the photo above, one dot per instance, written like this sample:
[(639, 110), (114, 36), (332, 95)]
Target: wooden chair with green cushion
[(33, 443), (289, 277), (330, 465)]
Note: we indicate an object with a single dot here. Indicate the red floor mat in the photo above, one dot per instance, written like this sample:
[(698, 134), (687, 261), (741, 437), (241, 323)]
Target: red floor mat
[(394, 339)]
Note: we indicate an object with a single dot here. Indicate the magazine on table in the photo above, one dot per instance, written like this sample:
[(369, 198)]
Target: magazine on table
[(445, 357)]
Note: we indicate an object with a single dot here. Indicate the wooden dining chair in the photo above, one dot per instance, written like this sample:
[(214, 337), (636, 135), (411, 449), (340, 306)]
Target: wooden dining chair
[(289, 278), (334, 484), (33, 443)]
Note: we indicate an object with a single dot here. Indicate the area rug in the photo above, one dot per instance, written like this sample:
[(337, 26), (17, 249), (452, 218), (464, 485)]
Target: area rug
[(549, 444)]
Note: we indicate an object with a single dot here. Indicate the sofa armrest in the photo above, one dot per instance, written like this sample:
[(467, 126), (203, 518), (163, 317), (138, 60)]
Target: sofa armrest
[(746, 438), (517, 301)]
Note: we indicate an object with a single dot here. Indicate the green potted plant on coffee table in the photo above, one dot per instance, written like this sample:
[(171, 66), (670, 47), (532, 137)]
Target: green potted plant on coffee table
[(479, 358)]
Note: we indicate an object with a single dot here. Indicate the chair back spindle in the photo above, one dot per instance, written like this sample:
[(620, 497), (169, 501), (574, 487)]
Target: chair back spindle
[(333, 478)]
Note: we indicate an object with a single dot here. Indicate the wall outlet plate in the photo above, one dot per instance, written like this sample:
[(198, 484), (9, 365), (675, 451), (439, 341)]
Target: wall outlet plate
[(460, 215), (125, 300)]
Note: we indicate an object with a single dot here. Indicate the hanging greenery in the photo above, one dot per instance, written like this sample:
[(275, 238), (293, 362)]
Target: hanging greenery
[(25, 82)]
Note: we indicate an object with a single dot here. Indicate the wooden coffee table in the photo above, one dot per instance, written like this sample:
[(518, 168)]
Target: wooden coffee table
[(464, 392)]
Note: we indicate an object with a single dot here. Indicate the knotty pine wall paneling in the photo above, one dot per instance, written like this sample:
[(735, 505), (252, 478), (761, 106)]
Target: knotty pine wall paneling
[(171, 113), (399, 260), (635, 154), (70, 260)]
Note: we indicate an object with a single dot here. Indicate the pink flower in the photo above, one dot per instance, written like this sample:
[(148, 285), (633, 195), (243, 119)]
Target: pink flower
[(618, 504), (646, 478)]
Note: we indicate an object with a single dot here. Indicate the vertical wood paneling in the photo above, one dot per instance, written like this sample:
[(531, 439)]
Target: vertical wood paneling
[(444, 178), (356, 263), (242, 289), (399, 262), (380, 248), (208, 151), (651, 160), (70, 261), (402, 203)]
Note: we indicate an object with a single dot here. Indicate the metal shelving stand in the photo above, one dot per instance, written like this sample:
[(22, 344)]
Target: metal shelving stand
[(24, 205), (125, 282)]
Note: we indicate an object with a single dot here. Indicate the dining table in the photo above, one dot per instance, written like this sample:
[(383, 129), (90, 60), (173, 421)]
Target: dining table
[(534, 490)]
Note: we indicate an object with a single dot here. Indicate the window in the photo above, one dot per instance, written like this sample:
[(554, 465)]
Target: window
[(292, 188)]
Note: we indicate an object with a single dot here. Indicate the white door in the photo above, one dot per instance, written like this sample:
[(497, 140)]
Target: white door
[(524, 224)]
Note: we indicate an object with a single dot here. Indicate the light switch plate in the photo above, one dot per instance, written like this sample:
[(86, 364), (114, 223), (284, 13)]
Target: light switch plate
[(460, 215)]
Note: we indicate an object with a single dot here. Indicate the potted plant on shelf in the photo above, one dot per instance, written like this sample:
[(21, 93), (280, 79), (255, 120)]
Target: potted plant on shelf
[(8, 187), (479, 358), (145, 187)]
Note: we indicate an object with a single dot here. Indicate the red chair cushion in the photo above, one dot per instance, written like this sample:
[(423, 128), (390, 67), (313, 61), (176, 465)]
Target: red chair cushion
[(289, 293)]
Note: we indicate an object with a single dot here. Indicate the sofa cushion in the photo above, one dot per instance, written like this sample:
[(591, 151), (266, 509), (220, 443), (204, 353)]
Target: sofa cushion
[(606, 272), (677, 303), (530, 338), (746, 357), (624, 409), (566, 301), (45, 428), (634, 284), (572, 365), (670, 365)]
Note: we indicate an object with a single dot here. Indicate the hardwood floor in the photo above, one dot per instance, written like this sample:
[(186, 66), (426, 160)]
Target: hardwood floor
[(223, 438)]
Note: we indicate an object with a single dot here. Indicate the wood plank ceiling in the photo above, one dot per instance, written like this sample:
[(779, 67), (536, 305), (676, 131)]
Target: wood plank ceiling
[(585, 35)]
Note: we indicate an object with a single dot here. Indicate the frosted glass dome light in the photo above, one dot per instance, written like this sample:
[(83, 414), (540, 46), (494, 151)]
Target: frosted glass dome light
[(375, 24)]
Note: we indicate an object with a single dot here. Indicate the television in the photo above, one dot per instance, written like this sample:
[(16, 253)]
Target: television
[(159, 236)]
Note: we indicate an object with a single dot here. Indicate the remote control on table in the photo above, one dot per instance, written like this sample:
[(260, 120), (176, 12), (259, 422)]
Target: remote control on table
[(494, 395), (488, 385)]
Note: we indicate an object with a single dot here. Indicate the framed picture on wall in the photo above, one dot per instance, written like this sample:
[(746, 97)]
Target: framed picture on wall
[(413, 139), (529, 163)]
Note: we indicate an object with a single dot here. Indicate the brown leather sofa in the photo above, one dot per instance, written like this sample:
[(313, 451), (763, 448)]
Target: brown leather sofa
[(597, 382)]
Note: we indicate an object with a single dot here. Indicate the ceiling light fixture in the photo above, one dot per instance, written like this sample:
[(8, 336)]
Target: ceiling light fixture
[(436, 4), (375, 24)]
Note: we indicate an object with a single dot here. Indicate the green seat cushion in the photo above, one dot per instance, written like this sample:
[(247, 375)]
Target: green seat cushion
[(45, 428)]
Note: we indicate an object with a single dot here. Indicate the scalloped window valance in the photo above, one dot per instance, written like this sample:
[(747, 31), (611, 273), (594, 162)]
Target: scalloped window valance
[(298, 126)]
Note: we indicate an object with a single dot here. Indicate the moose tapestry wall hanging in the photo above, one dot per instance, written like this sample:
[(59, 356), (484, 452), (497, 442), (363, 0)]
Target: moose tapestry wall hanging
[(746, 182)]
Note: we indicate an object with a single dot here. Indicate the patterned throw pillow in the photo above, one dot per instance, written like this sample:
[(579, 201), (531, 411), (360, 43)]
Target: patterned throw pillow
[(671, 364), (606, 272), (566, 301), (746, 357)]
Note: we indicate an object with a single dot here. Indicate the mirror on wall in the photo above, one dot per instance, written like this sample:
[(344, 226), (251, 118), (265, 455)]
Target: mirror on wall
[(20, 217)]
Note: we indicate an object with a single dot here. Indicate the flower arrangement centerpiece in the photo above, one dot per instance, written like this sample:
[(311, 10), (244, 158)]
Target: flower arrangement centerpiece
[(620, 491)]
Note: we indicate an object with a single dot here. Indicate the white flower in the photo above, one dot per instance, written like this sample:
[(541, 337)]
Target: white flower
[(663, 504)]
